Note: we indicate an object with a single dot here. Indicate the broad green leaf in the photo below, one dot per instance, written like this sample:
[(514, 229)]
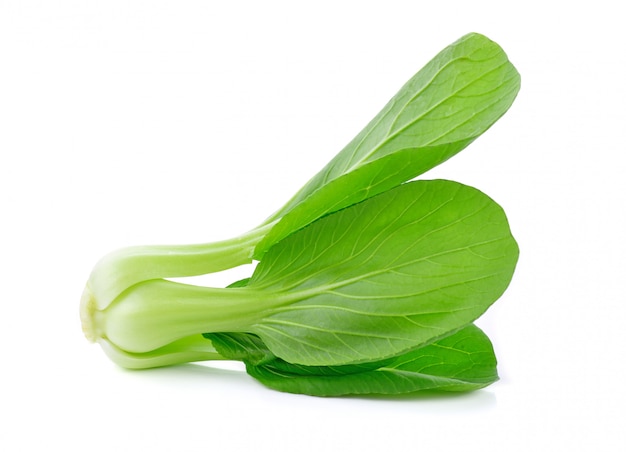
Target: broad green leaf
[(463, 361), (384, 276), (456, 97)]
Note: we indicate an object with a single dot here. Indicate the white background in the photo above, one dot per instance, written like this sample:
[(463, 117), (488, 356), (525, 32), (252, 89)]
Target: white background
[(133, 122)]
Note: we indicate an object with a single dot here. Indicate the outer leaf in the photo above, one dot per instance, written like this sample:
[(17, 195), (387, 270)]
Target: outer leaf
[(463, 361), (251, 349), (385, 276), (241, 347), (450, 102)]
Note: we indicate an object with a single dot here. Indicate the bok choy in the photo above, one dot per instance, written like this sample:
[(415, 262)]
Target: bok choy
[(365, 283)]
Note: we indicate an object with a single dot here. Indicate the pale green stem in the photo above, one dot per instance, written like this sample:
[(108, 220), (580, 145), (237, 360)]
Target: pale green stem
[(121, 269), (155, 313), (190, 349)]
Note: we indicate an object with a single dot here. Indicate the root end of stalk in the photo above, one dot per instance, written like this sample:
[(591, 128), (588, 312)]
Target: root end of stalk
[(87, 313)]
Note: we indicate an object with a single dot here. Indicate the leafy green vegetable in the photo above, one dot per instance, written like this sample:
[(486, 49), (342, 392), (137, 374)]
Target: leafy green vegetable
[(457, 96), (366, 283)]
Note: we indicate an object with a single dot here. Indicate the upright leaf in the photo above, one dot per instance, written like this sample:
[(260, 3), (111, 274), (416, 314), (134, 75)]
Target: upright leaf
[(456, 97), (384, 276)]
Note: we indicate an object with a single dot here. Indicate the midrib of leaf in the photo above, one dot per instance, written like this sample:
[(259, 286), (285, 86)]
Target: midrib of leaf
[(392, 370), (408, 374), (294, 296), (380, 314), (336, 333), (391, 377), (330, 290)]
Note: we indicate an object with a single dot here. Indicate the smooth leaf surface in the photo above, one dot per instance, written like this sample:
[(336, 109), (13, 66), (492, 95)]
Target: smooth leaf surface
[(463, 361), (456, 97), (385, 276)]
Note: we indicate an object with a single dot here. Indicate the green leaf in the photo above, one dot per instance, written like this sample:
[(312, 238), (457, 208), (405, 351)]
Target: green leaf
[(463, 361), (385, 276), (456, 97), (240, 283), (241, 347)]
